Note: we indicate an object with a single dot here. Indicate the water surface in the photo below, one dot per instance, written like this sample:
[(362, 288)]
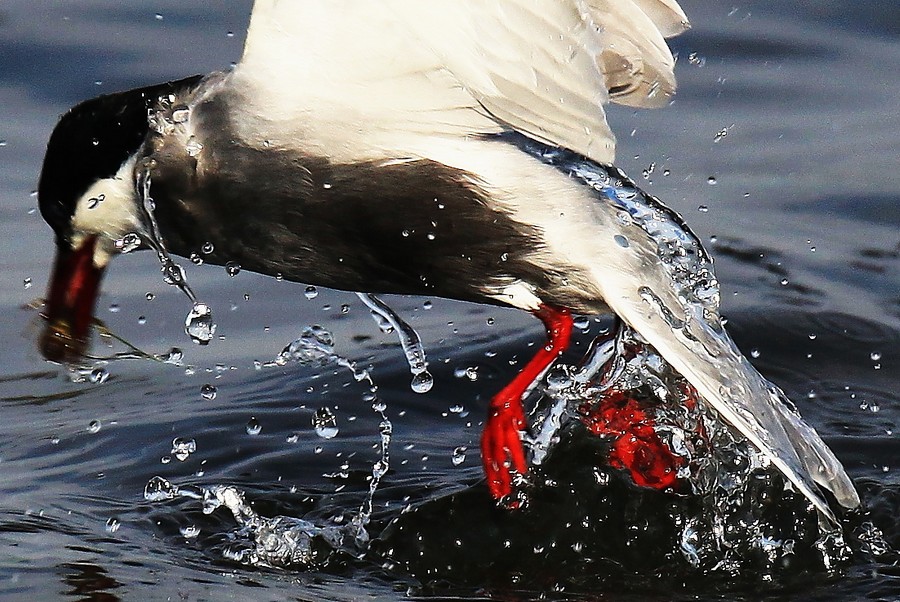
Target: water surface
[(798, 199)]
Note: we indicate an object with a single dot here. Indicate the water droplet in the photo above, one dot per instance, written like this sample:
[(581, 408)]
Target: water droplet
[(173, 274), (208, 392), (875, 356), (183, 448), (174, 356), (696, 59), (112, 525), (601, 476), (253, 426), (311, 292), (581, 322), (27, 283), (459, 456), (754, 353), (233, 268), (193, 147), (207, 248), (149, 296), (711, 180), (128, 243), (158, 489), (114, 308), (199, 325), (703, 209), (98, 376), (196, 259), (94, 426), (142, 320), (621, 241), (315, 346), (189, 531), (427, 305), (325, 423), (180, 114)]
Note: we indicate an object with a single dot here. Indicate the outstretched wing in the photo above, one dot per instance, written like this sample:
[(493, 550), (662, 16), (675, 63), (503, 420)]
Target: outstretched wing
[(542, 67)]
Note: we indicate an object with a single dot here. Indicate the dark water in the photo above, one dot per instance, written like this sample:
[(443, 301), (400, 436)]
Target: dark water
[(800, 197)]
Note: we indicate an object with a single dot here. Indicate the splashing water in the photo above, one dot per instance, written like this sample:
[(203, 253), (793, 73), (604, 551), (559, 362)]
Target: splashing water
[(361, 520), (734, 509), (422, 380), (199, 323), (678, 285), (283, 541), (315, 347)]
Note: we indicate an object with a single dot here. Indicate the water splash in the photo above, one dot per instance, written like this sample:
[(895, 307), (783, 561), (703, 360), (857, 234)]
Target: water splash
[(315, 347), (422, 380), (380, 468), (735, 509), (198, 324), (282, 542)]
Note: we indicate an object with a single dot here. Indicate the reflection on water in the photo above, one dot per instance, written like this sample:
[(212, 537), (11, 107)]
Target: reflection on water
[(803, 214)]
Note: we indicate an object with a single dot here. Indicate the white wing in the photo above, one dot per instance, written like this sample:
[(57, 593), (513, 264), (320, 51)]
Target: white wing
[(543, 67), (642, 291)]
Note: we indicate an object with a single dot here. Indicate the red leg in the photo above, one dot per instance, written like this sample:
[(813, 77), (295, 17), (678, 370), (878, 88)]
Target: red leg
[(501, 449)]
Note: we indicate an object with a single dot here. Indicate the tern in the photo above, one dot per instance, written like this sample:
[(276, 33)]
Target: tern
[(449, 148)]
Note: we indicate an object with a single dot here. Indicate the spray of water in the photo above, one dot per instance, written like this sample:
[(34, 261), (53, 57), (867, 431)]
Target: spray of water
[(285, 541), (412, 346)]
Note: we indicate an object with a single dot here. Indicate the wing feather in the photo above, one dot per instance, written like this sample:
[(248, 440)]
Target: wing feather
[(637, 285), (542, 67)]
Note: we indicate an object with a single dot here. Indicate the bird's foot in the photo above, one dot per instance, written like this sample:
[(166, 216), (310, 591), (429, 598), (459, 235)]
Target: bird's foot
[(501, 445), (635, 445), (501, 449)]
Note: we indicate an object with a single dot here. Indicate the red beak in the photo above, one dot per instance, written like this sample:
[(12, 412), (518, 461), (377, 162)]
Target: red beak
[(73, 292)]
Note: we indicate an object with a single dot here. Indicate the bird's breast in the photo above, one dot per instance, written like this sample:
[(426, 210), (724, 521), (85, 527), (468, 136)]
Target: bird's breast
[(401, 226)]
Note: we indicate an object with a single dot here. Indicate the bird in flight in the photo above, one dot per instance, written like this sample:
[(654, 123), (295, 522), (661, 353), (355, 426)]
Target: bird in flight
[(449, 148)]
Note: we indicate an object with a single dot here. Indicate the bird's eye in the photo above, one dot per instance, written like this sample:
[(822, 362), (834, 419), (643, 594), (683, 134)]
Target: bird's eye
[(94, 201)]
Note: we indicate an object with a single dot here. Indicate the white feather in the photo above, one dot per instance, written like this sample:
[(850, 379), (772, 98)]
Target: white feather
[(367, 72)]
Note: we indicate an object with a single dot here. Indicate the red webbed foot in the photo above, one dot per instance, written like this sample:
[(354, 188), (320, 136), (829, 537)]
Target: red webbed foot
[(502, 452), (501, 446), (636, 447)]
